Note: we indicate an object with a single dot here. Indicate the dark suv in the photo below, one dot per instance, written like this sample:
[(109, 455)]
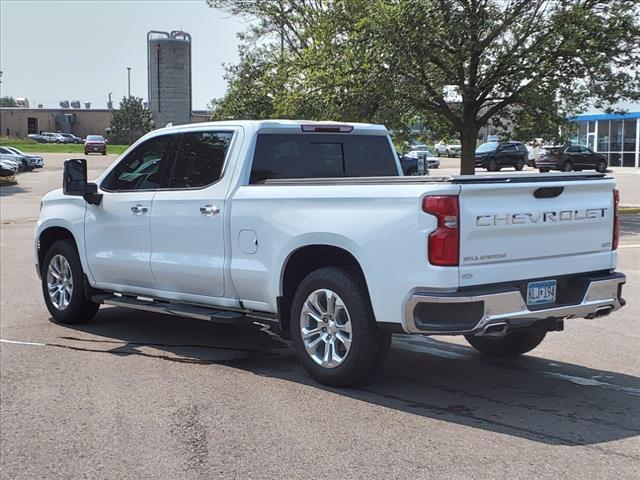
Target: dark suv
[(95, 143), (495, 155), (574, 157)]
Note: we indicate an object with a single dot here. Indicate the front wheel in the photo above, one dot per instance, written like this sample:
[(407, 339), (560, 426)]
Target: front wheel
[(543, 170), (601, 166), (567, 166), (510, 345), (63, 285), (333, 328), (492, 166)]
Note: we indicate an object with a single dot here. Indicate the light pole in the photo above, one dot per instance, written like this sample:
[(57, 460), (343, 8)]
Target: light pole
[(128, 81), (129, 104)]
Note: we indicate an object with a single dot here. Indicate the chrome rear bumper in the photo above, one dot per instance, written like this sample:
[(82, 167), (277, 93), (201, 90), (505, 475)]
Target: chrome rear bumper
[(459, 314)]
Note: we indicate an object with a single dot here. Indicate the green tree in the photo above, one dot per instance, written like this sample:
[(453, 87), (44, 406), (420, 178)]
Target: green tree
[(8, 102), (130, 121), (463, 62)]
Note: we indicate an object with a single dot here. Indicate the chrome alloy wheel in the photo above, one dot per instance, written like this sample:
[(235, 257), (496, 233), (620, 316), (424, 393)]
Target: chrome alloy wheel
[(59, 282), (326, 328)]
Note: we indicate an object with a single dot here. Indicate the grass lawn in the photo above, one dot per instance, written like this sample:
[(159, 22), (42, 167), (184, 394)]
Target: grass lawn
[(29, 146)]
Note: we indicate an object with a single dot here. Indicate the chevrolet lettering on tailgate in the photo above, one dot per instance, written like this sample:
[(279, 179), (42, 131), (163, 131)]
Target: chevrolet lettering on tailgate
[(539, 217)]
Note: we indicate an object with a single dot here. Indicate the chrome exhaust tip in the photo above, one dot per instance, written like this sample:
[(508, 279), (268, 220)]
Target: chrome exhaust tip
[(495, 330), (601, 312)]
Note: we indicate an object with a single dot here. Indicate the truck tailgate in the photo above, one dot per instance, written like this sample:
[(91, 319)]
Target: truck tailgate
[(535, 229)]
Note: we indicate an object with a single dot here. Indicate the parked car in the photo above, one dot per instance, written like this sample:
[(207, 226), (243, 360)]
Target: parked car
[(36, 160), (531, 155), (573, 157), (51, 137), (71, 138), (448, 149), (24, 162), (7, 167), (37, 137), (494, 155), (95, 144), (228, 221), (409, 162)]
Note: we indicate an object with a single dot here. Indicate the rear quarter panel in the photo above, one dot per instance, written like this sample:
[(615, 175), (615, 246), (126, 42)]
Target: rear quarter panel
[(382, 226)]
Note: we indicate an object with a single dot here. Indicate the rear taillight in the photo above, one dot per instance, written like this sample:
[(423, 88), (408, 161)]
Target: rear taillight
[(444, 242), (616, 233)]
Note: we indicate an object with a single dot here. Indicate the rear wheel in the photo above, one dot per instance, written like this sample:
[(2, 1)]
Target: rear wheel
[(601, 166), (567, 166), (333, 328), (63, 285), (510, 345), (519, 164)]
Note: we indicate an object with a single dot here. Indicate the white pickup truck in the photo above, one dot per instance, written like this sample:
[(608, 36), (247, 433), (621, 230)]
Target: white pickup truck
[(311, 226)]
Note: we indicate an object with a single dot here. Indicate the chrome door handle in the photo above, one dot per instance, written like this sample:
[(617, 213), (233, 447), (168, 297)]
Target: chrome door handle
[(209, 210), (139, 209)]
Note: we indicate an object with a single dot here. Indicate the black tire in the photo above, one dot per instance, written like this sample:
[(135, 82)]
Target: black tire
[(601, 166), (492, 166), (519, 164), (543, 170), (369, 345), (412, 172), (510, 345), (104, 153), (79, 309), (567, 166)]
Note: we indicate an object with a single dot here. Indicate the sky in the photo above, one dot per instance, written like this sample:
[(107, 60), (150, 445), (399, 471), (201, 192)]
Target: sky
[(52, 50)]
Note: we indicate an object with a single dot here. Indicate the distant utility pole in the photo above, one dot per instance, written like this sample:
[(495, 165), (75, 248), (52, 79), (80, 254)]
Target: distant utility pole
[(129, 106), (129, 81)]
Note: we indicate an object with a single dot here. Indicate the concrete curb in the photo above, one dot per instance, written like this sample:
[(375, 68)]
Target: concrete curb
[(8, 181), (628, 210)]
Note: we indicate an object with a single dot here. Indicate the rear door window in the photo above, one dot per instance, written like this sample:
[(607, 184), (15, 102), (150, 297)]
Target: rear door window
[(279, 156), (200, 159)]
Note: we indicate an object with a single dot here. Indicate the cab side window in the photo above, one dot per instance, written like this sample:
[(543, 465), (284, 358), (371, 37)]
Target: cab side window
[(200, 159), (141, 169)]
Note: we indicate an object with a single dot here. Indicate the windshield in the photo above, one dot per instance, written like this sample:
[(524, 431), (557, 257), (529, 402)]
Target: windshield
[(95, 138), (487, 147), (417, 153)]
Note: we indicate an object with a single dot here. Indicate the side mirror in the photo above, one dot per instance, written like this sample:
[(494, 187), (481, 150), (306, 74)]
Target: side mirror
[(74, 180)]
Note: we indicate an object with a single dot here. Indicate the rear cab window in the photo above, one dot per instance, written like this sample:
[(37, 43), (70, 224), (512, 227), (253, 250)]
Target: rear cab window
[(290, 156)]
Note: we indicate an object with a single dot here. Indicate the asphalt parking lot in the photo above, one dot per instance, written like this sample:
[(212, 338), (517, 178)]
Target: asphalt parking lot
[(139, 395)]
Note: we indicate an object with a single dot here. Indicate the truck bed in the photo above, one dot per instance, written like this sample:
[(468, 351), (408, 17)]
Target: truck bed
[(456, 179)]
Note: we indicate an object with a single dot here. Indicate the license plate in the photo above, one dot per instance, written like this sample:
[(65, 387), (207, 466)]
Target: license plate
[(540, 293)]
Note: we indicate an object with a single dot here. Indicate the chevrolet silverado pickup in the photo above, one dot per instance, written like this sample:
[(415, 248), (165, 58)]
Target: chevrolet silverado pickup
[(311, 226)]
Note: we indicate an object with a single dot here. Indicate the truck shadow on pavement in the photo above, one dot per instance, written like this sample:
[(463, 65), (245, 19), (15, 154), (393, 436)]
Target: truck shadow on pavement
[(630, 226), (530, 397)]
